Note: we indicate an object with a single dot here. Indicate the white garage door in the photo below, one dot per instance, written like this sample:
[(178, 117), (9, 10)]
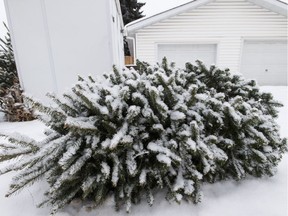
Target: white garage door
[(265, 61), (182, 53)]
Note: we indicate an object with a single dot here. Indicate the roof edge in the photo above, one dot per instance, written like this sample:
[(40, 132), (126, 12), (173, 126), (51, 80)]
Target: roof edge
[(277, 6), (274, 5), (145, 21)]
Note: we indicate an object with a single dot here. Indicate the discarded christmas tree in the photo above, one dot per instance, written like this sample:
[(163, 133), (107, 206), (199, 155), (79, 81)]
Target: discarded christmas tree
[(158, 128)]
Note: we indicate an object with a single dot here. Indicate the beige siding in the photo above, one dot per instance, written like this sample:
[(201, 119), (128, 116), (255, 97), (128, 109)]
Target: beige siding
[(223, 22)]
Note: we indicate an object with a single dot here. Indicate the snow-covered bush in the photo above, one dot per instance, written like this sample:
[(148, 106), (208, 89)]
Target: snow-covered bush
[(138, 132), (13, 106)]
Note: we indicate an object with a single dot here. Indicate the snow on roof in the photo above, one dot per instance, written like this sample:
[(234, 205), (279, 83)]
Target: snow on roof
[(277, 6)]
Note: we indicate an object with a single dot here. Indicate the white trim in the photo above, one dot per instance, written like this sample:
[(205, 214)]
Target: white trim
[(134, 51), (156, 48), (136, 42), (241, 55), (118, 6), (109, 17), (217, 54), (49, 45), (16, 56)]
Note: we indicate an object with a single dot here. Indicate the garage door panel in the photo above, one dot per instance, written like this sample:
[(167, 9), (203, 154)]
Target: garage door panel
[(265, 61), (262, 70), (268, 59), (182, 53), (277, 47)]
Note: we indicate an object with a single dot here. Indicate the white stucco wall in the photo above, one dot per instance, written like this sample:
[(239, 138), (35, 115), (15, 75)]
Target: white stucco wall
[(54, 41), (226, 23)]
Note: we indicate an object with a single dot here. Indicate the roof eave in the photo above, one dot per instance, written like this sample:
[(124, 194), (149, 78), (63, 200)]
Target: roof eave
[(276, 6), (146, 21)]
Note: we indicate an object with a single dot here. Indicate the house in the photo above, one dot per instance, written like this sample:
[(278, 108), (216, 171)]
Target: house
[(247, 36), (54, 41)]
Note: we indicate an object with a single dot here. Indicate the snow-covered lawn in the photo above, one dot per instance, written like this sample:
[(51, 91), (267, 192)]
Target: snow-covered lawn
[(252, 197)]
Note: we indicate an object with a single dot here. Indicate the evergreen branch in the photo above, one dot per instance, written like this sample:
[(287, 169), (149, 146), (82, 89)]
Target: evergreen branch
[(21, 140), (65, 107)]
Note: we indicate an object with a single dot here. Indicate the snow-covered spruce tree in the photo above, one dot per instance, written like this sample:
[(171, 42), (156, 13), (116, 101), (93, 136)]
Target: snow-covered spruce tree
[(141, 131), (8, 71), (131, 10)]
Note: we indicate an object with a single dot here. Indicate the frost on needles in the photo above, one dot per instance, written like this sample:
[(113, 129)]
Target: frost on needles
[(146, 130)]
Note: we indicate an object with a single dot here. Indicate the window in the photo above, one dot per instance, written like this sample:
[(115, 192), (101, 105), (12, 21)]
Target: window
[(129, 50)]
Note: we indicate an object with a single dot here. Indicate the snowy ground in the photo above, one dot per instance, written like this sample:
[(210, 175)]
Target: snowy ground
[(252, 197)]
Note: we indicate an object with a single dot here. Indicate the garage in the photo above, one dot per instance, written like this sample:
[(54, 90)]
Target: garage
[(213, 31), (265, 61), (182, 53)]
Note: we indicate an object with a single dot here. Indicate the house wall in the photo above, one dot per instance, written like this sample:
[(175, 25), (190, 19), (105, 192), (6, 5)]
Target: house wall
[(54, 41), (226, 23), (117, 34), (31, 49)]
